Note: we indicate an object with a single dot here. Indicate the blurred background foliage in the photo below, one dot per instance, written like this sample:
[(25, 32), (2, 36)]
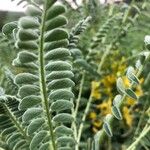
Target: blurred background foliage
[(119, 47)]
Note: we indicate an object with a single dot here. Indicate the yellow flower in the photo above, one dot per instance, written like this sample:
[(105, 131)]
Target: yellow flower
[(105, 107), (139, 91), (95, 90), (92, 115), (127, 116), (108, 91), (109, 80), (97, 123), (130, 101), (121, 69), (126, 81), (118, 67)]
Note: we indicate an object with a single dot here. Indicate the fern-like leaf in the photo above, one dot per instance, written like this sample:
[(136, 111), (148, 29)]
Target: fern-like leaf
[(45, 86)]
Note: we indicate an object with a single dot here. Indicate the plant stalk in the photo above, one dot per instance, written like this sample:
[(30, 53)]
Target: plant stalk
[(137, 141), (17, 124), (43, 87)]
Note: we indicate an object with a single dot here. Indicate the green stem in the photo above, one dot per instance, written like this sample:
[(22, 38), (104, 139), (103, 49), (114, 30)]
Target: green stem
[(141, 117), (83, 118), (145, 131), (90, 98), (111, 9), (143, 144), (79, 95), (77, 107), (103, 58), (126, 15), (43, 87), (74, 126), (16, 122)]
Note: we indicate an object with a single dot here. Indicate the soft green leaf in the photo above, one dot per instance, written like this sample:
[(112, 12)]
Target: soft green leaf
[(120, 85), (134, 79), (117, 100), (55, 44), (59, 74), (61, 105), (61, 94), (8, 28), (58, 53), (107, 129), (54, 11), (61, 83), (116, 112), (29, 101), (3, 118), (27, 90), (26, 78), (27, 45), (27, 34), (131, 76), (56, 22), (31, 113), (26, 57), (65, 139), (63, 130), (63, 118), (76, 53), (8, 131), (56, 34), (28, 23), (131, 94), (58, 66), (19, 144), (35, 125), (37, 139), (31, 65), (13, 137), (33, 11)]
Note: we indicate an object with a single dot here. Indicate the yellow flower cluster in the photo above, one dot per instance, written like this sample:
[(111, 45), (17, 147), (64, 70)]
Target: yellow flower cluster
[(95, 90), (128, 117), (104, 90)]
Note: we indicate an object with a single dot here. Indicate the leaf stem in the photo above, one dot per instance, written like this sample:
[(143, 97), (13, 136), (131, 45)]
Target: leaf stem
[(84, 117), (15, 121), (43, 87), (79, 95), (75, 112), (141, 117), (103, 58), (145, 131)]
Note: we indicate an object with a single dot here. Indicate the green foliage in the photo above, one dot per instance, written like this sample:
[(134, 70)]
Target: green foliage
[(47, 97)]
